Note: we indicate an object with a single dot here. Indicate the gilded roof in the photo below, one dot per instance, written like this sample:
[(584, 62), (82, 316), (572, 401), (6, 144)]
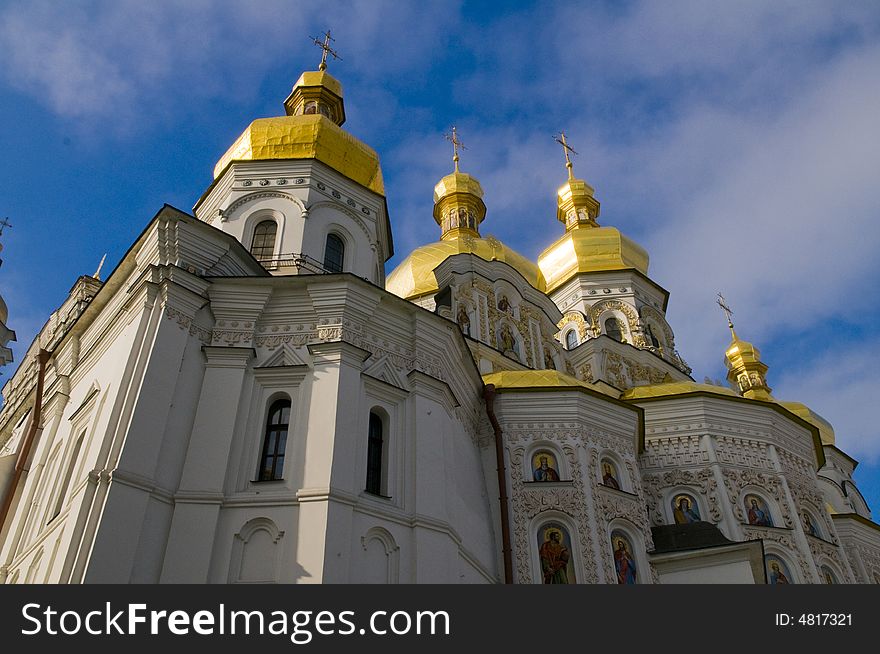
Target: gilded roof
[(826, 431), (532, 379), (414, 276), (310, 136), (673, 388), (590, 249)]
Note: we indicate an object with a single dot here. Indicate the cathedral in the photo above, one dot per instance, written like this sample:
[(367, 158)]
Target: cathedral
[(248, 397)]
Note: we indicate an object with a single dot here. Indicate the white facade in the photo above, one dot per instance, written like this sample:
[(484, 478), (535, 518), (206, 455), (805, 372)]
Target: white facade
[(155, 455)]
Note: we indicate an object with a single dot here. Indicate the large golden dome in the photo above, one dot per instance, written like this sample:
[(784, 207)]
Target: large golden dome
[(311, 130), (590, 249), (414, 276)]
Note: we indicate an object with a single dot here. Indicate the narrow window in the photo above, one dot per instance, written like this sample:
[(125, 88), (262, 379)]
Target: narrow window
[(334, 254), (375, 442), (612, 328), (272, 464), (263, 245), (650, 333), (68, 475), (571, 340)]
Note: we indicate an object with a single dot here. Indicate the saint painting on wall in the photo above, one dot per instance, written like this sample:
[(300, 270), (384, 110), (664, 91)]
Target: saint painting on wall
[(504, 304), (685, 509), (810, 525), (554, 550), (757, 511), (777, 570), (544, 466), (828, 575), (624, 558), (609, 474)]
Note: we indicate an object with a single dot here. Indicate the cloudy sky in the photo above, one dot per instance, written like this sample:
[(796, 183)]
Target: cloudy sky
[(738, 142)]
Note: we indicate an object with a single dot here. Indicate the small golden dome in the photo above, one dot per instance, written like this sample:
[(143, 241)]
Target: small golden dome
[(458, 204), (414, 277), (745, 370), (457, 183), (590, 249), (310, 130)]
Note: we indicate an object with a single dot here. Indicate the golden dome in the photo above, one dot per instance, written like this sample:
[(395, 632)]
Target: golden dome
[(826, 431), (590, 249), (414, 277), (310, 130), (459, 210), (307, 137), (740, 352)]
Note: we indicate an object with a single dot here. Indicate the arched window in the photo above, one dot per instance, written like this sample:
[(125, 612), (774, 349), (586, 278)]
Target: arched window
[(612, 328), (571, 340), (375, 443), (275, 441), (263, 244), (334, 254)]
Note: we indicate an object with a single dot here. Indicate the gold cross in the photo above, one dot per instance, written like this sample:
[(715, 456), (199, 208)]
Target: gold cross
[(325, 47), (566, 148), (726, 309), (456, 145), (4, 223)]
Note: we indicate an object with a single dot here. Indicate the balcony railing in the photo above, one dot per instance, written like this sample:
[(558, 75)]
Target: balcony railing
[(303, 263)]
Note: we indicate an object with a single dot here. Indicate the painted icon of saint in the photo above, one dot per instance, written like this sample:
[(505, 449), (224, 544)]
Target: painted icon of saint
[(608, 477), (685, 510), (758, 513), (624, 562), (545, 470), (555, 557), (777, 573)]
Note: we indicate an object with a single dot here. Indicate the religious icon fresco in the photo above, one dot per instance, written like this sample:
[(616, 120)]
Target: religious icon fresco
[(828, 575), (624, 559), (777, 570), (810, 525), (685, 509), (554, 550), (609, 474), (757, 511), (544, 467)]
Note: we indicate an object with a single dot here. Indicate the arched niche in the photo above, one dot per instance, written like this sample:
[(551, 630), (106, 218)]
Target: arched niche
[(256, 552)]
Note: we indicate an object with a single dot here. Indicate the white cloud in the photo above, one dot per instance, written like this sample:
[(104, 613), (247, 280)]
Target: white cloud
[(837, 385), (124, 59)]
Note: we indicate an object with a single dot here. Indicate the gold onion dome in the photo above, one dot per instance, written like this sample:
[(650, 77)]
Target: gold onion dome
[(585, 247), (745, 370), (312, 129), (458, 210)]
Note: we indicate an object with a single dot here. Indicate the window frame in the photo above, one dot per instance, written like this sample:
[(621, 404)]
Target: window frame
[(336, 267), (261, 257), (274, 429)]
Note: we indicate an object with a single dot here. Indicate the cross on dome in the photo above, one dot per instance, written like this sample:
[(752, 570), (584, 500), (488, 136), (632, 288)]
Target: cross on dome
[(566, 148), (326, 49), (456, 145)]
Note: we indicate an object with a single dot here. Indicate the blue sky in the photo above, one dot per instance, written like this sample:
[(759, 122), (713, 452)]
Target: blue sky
[(738, 142)]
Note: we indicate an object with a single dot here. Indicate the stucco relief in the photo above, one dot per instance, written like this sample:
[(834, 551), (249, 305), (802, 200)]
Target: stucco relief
[(530, 500), (673, 451)]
